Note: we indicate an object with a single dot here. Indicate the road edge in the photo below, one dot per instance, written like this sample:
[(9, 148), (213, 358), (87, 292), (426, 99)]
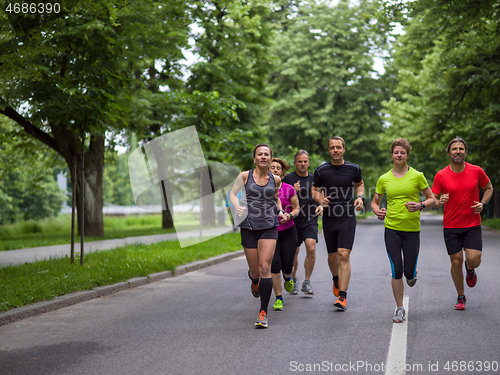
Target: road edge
[(23, 312)]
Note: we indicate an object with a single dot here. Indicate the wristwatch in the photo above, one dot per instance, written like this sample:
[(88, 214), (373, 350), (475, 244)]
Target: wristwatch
[(422, 206), (484, 204), (281, 211), (361, 196)]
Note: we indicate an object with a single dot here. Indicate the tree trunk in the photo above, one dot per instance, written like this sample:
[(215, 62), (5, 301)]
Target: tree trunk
[(208, 207), (66, 143), (167, 220), (92, 199), (496, 203)]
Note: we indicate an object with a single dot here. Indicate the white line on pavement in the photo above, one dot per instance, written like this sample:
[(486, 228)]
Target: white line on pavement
[(396, 359)]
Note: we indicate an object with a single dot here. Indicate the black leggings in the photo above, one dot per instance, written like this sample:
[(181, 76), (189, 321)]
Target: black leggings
[(285, 251), (409, 242)]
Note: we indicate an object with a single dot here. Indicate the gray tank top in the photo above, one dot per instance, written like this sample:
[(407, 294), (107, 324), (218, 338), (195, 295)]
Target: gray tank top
[(260, 203)]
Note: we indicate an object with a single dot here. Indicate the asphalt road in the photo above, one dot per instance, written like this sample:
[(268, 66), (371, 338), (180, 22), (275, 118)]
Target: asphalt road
[(203, 323)]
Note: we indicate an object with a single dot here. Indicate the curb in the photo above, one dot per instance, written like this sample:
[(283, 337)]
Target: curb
[(39, 308)]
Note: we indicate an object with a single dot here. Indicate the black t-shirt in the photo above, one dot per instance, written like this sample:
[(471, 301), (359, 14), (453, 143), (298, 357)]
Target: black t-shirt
[(338, 182), (307, 203)]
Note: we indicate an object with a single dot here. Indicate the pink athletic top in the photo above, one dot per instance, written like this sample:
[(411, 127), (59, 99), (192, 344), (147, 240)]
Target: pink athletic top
[(286, 193)]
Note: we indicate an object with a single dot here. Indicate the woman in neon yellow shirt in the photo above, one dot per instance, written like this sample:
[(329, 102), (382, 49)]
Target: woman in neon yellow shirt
[(403, 185)]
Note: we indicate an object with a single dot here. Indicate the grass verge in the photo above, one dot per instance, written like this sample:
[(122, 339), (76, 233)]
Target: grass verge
[(44, 280), (57, 230), (492, 223)]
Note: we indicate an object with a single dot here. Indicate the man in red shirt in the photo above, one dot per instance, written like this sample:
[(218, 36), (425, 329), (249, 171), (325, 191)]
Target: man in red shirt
[(458, 184)]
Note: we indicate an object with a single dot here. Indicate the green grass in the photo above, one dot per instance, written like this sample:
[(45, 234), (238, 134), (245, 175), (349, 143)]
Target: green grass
[(44, 280), (492, 223), (57, 231)]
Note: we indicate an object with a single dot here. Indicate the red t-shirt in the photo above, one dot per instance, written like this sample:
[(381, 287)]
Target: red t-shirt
[(463, 188)]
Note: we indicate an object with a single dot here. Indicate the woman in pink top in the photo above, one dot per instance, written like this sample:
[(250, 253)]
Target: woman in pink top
[(287, 234)]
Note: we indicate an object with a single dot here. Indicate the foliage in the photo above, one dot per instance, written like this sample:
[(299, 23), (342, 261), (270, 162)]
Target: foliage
[(448, 64), (72, 74), (28, 187), (116, 187), (234, 50), (44, 280), (324, 83)]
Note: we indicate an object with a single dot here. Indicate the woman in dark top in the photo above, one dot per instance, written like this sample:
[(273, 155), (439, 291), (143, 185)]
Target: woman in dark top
[(258, 222)]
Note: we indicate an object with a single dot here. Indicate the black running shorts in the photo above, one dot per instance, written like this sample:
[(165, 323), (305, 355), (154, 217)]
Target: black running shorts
[(309, 231), (339, 232), (250, 238), (457, 239)]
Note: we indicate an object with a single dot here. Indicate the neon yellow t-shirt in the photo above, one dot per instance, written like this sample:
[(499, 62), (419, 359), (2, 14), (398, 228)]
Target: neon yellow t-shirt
[(399, 191)]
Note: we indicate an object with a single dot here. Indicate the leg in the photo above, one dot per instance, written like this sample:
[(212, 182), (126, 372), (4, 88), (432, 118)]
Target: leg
[(252, 257), (333, 263), (295, 263), (344, 268), (276, 268), (411, 249), (473, 258), (393, 244), (398, 291), (266, 249), (457, 274), (310, 257)]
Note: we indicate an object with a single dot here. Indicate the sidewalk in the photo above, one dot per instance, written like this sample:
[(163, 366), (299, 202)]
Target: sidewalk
[(13, 257)]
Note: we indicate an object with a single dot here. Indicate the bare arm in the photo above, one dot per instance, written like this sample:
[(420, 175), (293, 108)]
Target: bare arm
[(238, 185), (429, 203), (488, 192), (360, 191), (375, 205)]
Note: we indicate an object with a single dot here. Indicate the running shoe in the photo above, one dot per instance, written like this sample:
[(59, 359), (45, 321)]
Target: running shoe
[(278, 305), (255, 290), (460, 303), (412, 281), (295, 289), (399, 317), (306, 287), (471, 277), (289, 285), (262, 321), (335, 288), (340, 303)]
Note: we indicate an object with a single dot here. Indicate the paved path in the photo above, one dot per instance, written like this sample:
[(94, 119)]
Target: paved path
[(12, 257), (202, 323)]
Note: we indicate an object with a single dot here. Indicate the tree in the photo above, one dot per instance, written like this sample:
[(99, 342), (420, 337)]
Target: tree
[(324, 83), (235, 60), (448, 66), (78, 66)]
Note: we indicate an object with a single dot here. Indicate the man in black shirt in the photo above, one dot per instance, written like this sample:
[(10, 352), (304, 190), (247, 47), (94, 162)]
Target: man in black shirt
[(306, 221), (338, 180)]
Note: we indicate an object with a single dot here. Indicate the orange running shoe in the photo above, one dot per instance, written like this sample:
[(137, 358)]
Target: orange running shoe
[(340, 303), (262, 321), (255, 290), (335, 288)]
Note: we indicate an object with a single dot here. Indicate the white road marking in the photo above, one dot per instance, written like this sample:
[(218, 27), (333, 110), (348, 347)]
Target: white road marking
[(396, 358)]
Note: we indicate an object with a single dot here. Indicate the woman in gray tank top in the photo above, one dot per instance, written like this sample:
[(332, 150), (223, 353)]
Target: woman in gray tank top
[(258, 215)]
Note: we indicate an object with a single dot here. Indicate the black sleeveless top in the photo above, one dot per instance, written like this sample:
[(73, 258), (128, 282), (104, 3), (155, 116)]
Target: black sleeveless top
[(260, 204)]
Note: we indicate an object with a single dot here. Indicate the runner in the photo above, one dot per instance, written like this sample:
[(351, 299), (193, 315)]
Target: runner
[(306, 221), (256, 216), (287, 235), (459, 184), (339, 179), (402, 185)]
